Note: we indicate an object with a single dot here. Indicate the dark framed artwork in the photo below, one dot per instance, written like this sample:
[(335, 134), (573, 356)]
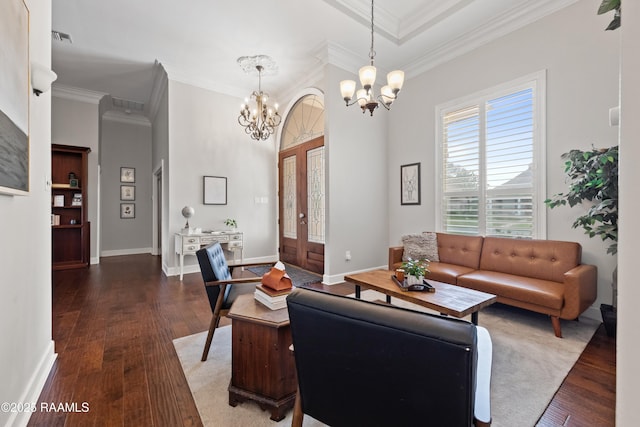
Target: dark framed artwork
[(127, 210), (127, 174), (127, 192), (410, 184), (14, 99), (214, 190)]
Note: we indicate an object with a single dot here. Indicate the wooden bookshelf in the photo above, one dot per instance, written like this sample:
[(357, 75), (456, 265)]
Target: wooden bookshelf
[(70, 229)]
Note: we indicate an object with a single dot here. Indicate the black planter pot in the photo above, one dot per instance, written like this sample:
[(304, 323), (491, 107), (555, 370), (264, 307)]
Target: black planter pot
[(609, 317)]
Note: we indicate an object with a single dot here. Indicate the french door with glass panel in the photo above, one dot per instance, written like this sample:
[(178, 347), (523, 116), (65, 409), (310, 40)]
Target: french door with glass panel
[(302, 205)]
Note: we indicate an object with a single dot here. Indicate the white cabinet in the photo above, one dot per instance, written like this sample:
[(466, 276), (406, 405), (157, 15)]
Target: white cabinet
[(188, 244)]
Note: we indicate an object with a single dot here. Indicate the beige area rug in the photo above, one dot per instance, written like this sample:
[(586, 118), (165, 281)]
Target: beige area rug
[(529, 365)]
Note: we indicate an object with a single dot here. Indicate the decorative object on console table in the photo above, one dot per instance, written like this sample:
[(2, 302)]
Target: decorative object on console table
[(127, 174), (231, 223), (214, 190), (14, 99), (410, 184), (127, 210)]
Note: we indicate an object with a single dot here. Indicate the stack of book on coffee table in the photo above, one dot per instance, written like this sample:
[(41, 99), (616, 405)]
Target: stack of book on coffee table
[(273, 299)]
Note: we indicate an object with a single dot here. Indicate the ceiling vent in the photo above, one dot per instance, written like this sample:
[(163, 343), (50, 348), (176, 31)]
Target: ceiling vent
[(127, 106), (61, 37)]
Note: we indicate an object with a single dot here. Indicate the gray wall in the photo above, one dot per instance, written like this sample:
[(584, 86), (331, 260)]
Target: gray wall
[(27, 349), (125, 144), (582, 84)]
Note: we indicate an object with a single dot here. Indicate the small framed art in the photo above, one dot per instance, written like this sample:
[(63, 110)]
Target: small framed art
[(127, 192), (410, 184), (127, 210), (215, 190), (127, 174)]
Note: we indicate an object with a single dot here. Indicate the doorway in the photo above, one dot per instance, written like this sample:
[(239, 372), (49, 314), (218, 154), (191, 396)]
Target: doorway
[(301, 184), (301, 189)]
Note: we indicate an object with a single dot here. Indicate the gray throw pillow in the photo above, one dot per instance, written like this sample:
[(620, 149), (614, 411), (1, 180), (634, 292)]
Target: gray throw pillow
[(420, 246)]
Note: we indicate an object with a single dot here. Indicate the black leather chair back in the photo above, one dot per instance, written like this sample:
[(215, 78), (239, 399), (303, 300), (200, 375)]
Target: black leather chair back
[(213, 267), (367, 364)]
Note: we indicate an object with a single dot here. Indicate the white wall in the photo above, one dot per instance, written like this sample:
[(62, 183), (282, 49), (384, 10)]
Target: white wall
[(628, 352), (357, 188), (205, 139), (125, 143), (27, 350), (75, 121), (581, 61)]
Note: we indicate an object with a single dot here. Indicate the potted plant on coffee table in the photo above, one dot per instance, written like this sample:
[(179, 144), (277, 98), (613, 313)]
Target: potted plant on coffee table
[(593, 178), (415, 270)]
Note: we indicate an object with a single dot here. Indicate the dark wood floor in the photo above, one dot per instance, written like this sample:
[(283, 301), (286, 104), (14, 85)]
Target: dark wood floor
[(114, 323)]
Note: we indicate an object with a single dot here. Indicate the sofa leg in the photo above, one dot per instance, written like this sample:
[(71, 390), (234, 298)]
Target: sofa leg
[(555, 321)]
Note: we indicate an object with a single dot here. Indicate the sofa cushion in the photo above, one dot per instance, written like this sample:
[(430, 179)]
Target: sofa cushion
[(460, 250), (420, 246), (539, 259), (447, 273), (545, 293)]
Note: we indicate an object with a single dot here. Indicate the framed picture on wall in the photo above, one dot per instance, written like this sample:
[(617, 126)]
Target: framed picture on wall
[(215, 190), (127, 174), (410, 184), (127, 210), (127, 192), (14, 98)]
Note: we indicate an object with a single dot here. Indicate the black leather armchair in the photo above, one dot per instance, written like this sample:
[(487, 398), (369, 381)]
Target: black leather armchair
[(362, 363), (221, 288)]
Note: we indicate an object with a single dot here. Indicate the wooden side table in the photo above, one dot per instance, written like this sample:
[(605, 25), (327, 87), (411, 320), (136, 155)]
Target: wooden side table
[(263, 367)]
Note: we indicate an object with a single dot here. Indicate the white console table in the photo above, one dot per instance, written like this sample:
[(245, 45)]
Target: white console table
[(188, 244)]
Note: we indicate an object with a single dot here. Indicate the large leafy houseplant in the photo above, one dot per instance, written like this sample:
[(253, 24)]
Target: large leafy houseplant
[(593, 178)]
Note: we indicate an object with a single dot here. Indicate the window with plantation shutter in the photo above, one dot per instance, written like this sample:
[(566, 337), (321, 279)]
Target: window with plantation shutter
[(490, 173)]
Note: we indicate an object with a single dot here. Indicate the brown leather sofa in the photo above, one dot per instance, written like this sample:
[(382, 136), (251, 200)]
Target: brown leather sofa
[(545, 276)]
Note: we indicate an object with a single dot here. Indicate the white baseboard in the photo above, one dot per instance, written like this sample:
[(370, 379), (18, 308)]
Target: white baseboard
[(118, 252), (35, 385), (339, 278)]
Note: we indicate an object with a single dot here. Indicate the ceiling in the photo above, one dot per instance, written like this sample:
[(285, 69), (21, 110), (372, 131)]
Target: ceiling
[(116, 43)]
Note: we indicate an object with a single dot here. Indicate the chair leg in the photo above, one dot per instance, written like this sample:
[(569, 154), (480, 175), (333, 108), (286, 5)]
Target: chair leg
[(215, 320), (555, 321), (296, 421)]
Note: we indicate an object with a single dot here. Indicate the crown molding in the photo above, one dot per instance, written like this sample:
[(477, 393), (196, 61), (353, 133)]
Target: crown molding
[(122, 117), (77, 94), (160, 82), (179, 75), (511, 20)]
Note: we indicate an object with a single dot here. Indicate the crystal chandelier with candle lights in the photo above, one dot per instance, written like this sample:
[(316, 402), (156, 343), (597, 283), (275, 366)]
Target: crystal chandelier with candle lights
[(259, 120), (365, 97)]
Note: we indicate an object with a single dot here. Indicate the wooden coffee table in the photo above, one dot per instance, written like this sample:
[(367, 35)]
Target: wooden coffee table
[(447, 299)]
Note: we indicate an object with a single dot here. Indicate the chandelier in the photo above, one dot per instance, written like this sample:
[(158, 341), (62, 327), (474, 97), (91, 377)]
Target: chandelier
[(365, 97), (260, 120)]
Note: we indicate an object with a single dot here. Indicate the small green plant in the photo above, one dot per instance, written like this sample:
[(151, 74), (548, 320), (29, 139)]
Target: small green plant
[(416, 267), (229, 222)]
